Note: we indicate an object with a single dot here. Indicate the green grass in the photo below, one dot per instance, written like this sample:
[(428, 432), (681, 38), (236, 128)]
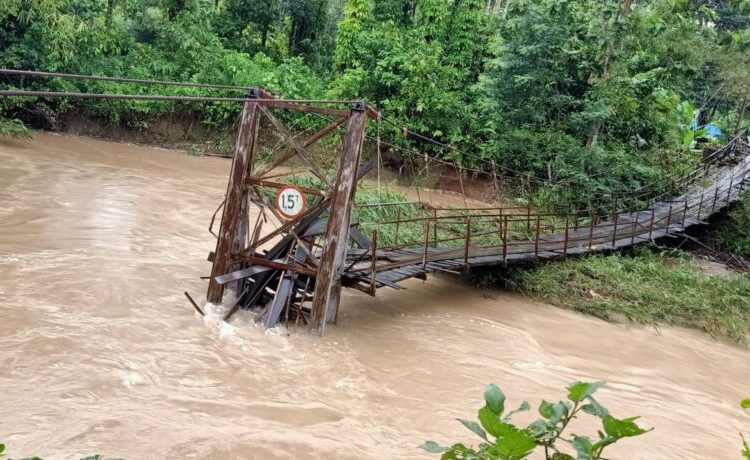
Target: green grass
[(731, 232), (384, 218), (648, 288), (14, 129)]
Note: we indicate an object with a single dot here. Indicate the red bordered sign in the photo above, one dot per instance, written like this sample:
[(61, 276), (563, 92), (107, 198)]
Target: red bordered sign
[(291, 202)]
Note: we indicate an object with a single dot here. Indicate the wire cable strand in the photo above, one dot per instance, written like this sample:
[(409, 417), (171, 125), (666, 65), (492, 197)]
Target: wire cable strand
[(152, 97), (36, 73)]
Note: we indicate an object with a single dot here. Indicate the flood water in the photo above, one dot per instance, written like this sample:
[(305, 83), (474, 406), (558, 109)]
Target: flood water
[(101, 353)]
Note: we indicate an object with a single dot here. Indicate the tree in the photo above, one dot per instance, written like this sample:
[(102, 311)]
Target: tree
[(308, 20), (262, 14), (399, 12), (732, 65), (357, 18)]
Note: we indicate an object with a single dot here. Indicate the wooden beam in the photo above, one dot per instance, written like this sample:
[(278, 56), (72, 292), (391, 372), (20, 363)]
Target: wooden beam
[(278, 265), (241, 274), (328, 284), (233, 230), (291, 152)]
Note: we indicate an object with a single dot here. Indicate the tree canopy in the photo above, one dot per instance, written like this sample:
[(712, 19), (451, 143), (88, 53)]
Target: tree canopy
[(603, 93)]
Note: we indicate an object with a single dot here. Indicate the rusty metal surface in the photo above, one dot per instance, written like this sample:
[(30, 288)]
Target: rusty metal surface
[(333, 258), (233, 229)]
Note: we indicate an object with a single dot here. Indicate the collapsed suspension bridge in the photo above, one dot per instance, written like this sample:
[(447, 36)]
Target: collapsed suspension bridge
[(297, 268)]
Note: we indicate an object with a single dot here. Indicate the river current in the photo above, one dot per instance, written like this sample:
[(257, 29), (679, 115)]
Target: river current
[(101, 353)]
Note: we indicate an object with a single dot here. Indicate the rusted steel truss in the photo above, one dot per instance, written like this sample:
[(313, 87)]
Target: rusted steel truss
[(293, 269)]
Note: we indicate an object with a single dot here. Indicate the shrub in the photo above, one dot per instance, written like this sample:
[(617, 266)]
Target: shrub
[(14, 128)]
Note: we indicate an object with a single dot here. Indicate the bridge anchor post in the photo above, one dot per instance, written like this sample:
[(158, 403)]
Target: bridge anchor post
[(234, 221), (328, 282)]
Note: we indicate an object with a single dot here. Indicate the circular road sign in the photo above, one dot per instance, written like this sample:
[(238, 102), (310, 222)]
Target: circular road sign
[(290, 201)]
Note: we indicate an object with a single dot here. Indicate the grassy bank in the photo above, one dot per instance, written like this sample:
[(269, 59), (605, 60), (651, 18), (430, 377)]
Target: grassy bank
[(648, 288), (731, 231)]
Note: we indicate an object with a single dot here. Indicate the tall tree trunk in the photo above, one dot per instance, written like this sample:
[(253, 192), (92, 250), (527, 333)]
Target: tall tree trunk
[(110, 11), (706, 112), (740, 116), (293, 37), (625, 9)]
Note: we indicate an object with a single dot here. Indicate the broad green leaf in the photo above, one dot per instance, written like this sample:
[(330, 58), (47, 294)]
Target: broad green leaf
[(2, 448), (474, 427), (494, 398), (433, 447), (546, 410), (516, 444), (578, 391), (492, 423), (603, 442), (460, 452), (583, 447), (745, 404), (594, 408), (561, 456), (554, 412), (619, 429), (543, 430)]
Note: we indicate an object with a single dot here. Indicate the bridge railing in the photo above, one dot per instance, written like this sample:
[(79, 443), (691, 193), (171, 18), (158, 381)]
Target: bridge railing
[(517, 232), (606, 202)]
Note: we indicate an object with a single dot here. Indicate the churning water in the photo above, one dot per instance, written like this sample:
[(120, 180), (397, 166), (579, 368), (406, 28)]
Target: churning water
[(101, 353)]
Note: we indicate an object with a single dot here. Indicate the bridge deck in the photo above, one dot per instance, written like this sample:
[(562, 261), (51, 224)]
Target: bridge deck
[(624, 229)]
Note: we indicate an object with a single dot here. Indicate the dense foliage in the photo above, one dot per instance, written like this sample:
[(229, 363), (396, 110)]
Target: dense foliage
[(504, 440), (600, 93)]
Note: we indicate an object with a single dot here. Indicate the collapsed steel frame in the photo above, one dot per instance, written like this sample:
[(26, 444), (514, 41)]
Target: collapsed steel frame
[(307, 259)]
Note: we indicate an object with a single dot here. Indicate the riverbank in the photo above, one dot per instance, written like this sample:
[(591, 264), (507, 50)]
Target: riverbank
[(655, 287)]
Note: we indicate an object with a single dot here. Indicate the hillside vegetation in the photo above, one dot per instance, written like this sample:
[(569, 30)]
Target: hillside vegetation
[(601, 94)]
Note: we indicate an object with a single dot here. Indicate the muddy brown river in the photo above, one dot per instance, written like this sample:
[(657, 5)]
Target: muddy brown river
[(101, 353)]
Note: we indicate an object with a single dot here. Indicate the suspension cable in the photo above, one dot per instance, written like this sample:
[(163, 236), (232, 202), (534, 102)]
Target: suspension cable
[(152, 97), (35, 73)]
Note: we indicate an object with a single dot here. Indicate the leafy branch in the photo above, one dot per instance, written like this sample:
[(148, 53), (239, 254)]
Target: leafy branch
[(505, 441)]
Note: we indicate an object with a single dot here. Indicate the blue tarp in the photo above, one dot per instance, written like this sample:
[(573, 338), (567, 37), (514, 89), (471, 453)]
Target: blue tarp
[(711, 129)]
